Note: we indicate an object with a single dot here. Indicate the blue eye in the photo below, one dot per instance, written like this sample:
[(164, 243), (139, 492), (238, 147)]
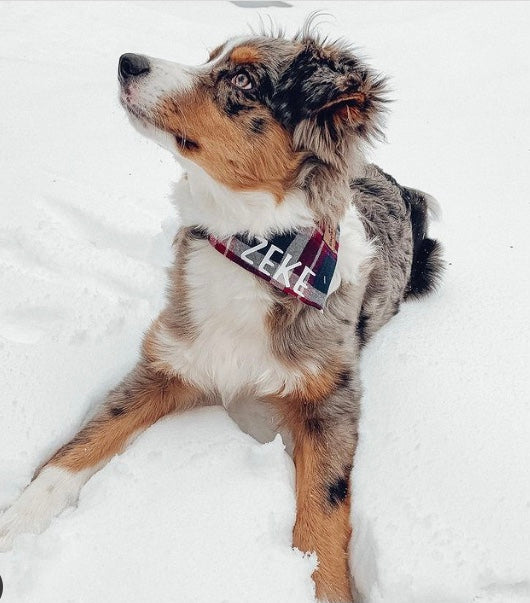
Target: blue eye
[(242, 80)]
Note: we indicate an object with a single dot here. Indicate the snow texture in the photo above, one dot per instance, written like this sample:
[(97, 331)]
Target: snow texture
[(196, 510)]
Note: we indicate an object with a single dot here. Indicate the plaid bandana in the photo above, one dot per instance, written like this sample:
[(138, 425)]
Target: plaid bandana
[(298, 263)]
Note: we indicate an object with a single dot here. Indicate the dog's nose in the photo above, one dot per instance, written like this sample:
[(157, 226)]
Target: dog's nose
[(131, 65)]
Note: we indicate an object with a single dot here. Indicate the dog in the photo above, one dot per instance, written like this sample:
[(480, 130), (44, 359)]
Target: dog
[(292, 252)]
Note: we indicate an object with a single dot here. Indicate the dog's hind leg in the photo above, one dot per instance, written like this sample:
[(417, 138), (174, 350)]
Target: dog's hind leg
[(142, 398), (325, 437)]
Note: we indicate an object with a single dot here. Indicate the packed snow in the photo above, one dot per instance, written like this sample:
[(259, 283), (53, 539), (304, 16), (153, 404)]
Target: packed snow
[(196, 510)]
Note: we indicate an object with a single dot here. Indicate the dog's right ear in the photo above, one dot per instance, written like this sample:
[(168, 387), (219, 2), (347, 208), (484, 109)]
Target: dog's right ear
[(332, 89)]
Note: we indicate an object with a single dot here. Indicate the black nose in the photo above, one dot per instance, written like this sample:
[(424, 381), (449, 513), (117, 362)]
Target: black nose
[(131, 65)]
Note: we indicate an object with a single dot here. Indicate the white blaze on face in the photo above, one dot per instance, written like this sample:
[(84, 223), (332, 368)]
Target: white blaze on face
[(164, 78)]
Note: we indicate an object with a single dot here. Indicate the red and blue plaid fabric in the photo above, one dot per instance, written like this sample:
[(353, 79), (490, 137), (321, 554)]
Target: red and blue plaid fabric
[(298, 263)]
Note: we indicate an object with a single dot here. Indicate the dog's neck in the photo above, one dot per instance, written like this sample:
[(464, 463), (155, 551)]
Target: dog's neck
[(203, 202), (221, 211)]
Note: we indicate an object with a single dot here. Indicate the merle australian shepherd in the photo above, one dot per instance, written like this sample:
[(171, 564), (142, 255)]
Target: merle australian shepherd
[(292, 252)]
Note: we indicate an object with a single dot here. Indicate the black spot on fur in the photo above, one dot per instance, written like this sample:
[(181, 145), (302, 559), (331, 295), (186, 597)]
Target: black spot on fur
[(337, 491), (344, 379), (314, 426), (393, 213), (116, 411), (361, 328), (257, 125), (234, 108), (197, 233), (315, 82)]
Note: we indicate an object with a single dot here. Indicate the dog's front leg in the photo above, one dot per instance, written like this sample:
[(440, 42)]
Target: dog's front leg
[(142, 398), (325, 436)]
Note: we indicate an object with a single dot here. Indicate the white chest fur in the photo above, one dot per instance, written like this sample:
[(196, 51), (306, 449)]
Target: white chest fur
[(231, 351)]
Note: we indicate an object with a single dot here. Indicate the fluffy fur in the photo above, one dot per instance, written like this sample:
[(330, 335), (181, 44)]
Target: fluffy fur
[(270, 132)]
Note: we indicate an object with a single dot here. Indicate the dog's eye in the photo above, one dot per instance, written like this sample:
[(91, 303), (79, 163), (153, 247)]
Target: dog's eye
[(242, 80)]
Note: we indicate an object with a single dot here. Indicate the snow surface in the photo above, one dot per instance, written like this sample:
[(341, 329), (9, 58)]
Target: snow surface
[(195, 510)]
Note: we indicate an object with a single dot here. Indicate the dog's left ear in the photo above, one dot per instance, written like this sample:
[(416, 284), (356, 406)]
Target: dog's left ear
[(355, 101), (332, 88)]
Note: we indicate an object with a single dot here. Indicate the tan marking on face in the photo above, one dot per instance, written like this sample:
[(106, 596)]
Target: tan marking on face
[(227, 149), (245, 55)]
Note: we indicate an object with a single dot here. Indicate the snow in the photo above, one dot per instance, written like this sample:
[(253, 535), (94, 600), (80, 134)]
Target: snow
[(196, 510)]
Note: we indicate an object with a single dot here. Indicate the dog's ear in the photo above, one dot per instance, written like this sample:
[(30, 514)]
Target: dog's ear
[(355, 100), (334, 89)]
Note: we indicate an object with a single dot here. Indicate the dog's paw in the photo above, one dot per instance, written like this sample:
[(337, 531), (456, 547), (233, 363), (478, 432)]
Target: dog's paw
[(11, 525), (31, 513), (46, 496)]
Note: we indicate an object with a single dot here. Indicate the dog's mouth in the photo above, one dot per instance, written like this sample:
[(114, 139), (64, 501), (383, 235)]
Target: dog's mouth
[(184, 143)]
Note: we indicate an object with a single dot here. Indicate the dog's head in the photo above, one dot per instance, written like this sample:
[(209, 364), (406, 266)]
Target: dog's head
[(258, 110)]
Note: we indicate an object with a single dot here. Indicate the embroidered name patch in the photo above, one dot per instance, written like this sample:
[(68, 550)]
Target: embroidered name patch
[(299, 263)]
